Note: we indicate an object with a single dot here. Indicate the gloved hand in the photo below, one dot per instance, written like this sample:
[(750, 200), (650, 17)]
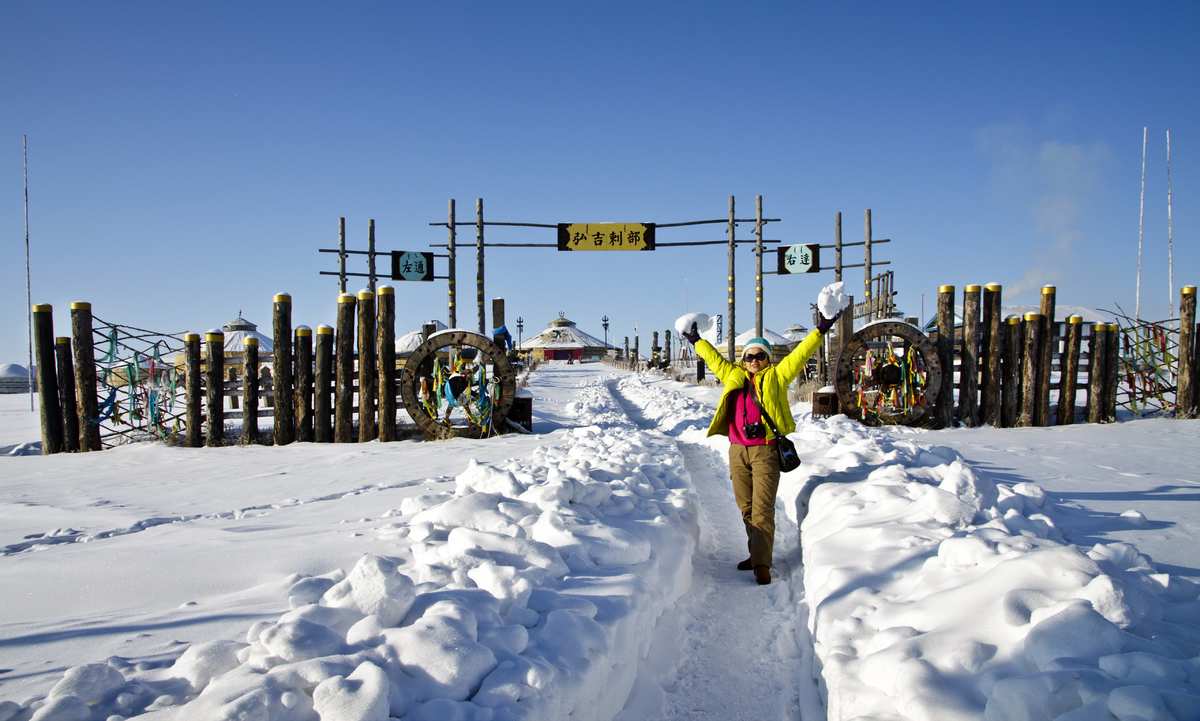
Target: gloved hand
[(825, 324), (691, 334)]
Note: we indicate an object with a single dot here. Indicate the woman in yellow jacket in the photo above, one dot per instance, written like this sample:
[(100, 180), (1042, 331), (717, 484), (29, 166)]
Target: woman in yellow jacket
[(751, 386)]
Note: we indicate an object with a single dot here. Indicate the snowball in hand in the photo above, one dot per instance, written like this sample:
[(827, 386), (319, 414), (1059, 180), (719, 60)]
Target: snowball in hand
[(832, 300), (684, 322)]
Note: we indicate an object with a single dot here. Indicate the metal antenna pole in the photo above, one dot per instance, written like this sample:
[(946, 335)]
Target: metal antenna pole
[(1137, 306), (28, 274), (1170, 237)]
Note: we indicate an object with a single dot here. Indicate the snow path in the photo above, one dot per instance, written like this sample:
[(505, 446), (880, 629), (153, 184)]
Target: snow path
[(735, 650)]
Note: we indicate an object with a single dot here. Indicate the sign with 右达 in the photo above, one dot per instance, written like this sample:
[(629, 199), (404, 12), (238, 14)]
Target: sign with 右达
[(804, 258), (410, 265), (606, 236)]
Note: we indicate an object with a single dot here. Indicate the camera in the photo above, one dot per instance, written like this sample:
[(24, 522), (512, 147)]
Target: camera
[(754, 430)]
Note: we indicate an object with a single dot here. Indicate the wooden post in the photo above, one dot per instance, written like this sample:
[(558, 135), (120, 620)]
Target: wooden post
[(1049, 347), (367, 385), (342, 255), (322, 386), (968, 374), (66, 394), (1097, 360), (214, 379), (497, 321), (1112, 368), (667, 346), (479, 264), (993, 329), (637, 353), (1069, 373), (845, 327), (371, 254), (730, 347), (191, 346), (304, 384), (867, 297), (85, 376), (626, 356), (385, 341), (281, 372), (343, 403), (758, 269), (47, 380), (250, 392), (1030, 360), (944, 412), (837, 248), (452, 261), (1185, 394), (1014, 346), (427, 329)]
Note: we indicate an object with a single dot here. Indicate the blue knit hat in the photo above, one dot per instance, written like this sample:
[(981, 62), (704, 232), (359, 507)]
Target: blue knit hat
[(762, 343)]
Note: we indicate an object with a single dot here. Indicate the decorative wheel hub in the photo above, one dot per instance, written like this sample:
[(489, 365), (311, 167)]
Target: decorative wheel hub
[(888, 373), (458, 384)]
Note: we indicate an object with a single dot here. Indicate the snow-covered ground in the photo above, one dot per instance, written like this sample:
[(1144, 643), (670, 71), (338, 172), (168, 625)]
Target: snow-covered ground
[(586, 572)]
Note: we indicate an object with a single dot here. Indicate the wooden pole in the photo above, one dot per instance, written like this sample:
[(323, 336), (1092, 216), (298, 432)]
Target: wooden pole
[(343, 403), (371, 254), (1186, 392), (1030, 360), (992, 348), (322, 386), (1097, 359), (1069, 374), (367, 385), (667, 346), (637, 353), (731, 332), (944, 411), (1112, 368), (214, 427), (626, 356), (868, 299), (968, 374), (452, 260), (47, 379), (85, 376), (479, 264), (655, 350), (385, 341), (427, 329), (66, 394), (250, 392), (1014, 346), (845, 327), (191, 346), (304, 384), (342, 255), (1049, 348), (837, 247), (497, 319), (281, 372), (758, 269)]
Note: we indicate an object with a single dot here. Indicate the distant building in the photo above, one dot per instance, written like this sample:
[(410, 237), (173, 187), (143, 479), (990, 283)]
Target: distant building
[(14, 379), (562, 340)]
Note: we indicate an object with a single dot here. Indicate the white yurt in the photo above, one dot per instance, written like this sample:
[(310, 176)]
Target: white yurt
[(563, 340), (14, 378), (408, 342)]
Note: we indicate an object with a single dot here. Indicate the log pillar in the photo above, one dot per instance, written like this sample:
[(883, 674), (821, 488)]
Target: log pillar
[(1030, 360), (250, 392), (968, 374), (192, 390), (993, 337), (1097, 360), (304, 384), (1049, 347), (1069, 375), (281, 372), (214, 427), (47, 379), (66, 394), (367, 385), (1112, 368), (85, 376), (322, 386), (385, 342), (1186, 393), (343, 394), (1014, 346)]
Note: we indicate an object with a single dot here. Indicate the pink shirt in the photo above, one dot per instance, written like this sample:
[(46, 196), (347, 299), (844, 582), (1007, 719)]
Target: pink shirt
[(745, 410)]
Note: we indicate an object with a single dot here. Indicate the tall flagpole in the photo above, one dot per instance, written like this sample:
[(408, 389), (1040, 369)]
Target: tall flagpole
[(1170, 237), (28, 276), (1137, 308)]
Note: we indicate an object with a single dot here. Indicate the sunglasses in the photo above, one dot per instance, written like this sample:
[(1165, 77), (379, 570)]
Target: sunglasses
[(754, 357)]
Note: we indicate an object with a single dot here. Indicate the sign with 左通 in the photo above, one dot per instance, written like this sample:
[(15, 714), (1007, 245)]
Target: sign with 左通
[(804, 258), (606, 236), (410, 265)]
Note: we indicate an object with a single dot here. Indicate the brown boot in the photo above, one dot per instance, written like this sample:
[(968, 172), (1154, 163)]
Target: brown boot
[(745, 565), (762, 574)]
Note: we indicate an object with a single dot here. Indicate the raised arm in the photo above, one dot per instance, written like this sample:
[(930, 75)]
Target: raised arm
[(793, 363), (716, 362)]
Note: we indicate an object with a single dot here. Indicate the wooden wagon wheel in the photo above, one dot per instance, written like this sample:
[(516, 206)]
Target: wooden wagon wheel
[(917, 386), (420, 364)]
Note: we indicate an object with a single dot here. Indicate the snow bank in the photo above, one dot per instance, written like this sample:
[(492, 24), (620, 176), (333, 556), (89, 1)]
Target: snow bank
[(529, 591)]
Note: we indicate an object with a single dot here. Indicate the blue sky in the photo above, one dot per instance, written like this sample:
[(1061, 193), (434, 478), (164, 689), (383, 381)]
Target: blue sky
[(187, 160)]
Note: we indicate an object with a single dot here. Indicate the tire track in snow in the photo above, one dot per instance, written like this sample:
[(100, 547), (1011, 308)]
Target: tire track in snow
[(735, 650)]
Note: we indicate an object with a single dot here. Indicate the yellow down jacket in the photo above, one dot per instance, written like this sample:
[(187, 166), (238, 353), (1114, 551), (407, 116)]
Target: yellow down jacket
[(771, 384)]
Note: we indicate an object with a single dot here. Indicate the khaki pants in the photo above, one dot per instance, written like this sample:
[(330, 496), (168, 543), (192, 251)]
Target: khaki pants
[(755, 473)]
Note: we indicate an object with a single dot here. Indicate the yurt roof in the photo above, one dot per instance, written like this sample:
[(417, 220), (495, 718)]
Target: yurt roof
[(772, 337), (795, 332), (562, 333), (12, 370), (408, 342)]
